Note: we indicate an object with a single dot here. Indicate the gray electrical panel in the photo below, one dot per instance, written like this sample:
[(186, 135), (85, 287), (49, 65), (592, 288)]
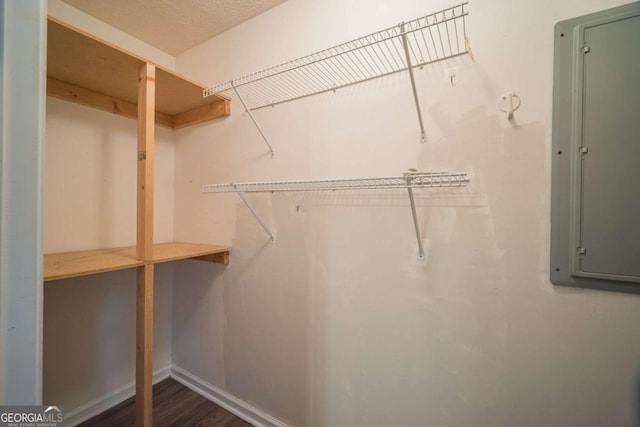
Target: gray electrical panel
[(595, 194)]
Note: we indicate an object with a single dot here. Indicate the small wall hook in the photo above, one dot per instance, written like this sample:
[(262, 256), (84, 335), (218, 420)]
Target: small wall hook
[(509, 102)]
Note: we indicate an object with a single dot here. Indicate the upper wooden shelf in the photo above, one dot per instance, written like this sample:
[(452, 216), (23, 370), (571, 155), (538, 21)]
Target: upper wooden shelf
[(84, 69), (82, 263)]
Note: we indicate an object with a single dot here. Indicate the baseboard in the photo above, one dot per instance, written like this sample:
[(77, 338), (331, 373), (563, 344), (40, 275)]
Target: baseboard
[(101, 404), (250, 414)]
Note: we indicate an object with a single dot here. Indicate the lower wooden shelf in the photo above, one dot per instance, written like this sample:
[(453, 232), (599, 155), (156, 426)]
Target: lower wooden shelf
[(82, 263)]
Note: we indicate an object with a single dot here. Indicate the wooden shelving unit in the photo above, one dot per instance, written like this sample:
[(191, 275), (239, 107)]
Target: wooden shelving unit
[(86, 70)]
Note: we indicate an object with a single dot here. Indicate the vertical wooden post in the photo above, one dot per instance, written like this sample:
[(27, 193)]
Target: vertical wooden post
[(144, 346), (146, 123), (144, 246)]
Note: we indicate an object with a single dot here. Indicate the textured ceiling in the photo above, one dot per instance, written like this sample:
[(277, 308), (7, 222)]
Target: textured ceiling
[(173, 26)]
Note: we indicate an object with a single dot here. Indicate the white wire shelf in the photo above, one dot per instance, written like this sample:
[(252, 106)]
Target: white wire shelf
[(409, 180), (425, 40)]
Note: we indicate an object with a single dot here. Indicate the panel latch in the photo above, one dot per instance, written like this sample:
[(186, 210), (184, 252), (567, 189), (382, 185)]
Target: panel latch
[(583, 151)]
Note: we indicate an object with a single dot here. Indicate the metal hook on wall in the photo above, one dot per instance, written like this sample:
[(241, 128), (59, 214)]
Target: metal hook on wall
[(509, 102)]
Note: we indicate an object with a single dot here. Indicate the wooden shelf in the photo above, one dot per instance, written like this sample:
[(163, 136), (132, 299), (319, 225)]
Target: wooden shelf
[(84, 69), (83, 263), (164, 252)]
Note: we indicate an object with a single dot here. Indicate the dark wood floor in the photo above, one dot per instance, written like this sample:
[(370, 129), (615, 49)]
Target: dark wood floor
[(173, 405)]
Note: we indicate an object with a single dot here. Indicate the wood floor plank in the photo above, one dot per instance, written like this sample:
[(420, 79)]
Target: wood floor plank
[(174, 405)]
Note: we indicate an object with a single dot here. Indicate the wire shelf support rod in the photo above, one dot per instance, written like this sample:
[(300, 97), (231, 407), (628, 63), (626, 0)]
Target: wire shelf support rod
[(405, 44), (255, 123), (256, 216)]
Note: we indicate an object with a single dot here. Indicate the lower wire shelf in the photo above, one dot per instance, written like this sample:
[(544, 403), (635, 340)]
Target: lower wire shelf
[(410, 180), (82, 263)]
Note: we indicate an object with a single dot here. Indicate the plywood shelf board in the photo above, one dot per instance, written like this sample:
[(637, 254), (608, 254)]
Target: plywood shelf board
[(82, 60), (82, 263), (163, 252)]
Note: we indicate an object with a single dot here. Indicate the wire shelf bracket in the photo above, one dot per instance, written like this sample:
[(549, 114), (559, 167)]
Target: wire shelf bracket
[(409, 180), (248, 110), (405, 45), (256, 216), (428, 39)]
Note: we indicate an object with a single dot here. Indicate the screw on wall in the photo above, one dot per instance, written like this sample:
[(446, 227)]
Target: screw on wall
[(450, 75)]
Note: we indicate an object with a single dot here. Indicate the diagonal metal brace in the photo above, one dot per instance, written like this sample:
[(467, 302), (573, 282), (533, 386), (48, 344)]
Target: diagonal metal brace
[(409, 180), (405, 44), (255, 214), (246, 108)]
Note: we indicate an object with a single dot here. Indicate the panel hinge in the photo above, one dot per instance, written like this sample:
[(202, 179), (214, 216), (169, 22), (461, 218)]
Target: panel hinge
[(583, 151), (582, 251), (142, 156), (586, 49)]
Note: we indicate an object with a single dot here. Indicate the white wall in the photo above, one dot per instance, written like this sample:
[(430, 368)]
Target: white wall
[(338, 324), (90, 182), (90, 335)]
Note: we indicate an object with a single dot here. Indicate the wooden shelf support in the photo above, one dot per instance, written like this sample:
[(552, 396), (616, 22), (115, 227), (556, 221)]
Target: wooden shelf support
[(144, 244), (144, 346), (220, 258), (211, 111), (89, 98), (146, 130)]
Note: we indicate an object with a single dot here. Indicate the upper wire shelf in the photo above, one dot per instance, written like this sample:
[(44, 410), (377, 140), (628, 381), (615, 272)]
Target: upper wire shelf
[(408, 180), (425, 40)]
